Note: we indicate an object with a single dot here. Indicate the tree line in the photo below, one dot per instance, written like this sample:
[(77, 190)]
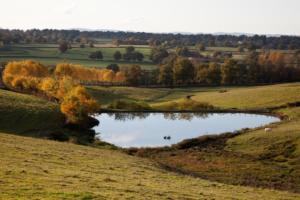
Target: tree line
[(257, 68), (175, 70), (112, 74), (153, 39)]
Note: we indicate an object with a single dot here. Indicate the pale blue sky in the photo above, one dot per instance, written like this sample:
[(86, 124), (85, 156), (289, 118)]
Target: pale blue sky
[(208, 16)]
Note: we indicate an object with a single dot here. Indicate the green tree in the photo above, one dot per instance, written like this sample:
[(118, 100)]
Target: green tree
[(113, 67), (230, 72), (117, 55), (165, 76), (201, 73), (213, 74), (254, 73), (157, 55), (132, 74), (63, 46), (183, 72), (139, 56)]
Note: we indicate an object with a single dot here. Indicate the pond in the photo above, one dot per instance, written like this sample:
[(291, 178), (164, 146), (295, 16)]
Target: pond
[(164, 129)]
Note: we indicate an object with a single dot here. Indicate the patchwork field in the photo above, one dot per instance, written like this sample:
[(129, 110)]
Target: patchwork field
[(49, 54)]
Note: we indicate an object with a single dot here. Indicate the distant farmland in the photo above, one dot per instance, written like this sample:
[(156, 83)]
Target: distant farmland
[(49, 54)]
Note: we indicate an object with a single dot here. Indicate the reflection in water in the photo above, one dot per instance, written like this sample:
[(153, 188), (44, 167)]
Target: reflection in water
[(184, 116), (164, 129), (169, 116), (128, 116)]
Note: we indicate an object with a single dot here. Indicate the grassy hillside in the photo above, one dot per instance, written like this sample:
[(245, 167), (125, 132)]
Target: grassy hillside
[(41, 169), (28, 115), (32, 116), (224, 97), (49, 54)]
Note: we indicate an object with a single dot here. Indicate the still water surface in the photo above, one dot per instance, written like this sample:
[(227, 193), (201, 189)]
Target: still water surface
[(165, 129)]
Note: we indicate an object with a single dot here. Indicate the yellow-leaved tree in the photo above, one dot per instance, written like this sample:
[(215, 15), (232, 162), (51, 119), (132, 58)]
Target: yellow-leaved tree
[(32, 77), (77, 105), (88, 74), (24, 75)]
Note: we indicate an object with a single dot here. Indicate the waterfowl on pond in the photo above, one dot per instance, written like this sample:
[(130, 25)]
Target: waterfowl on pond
[(167, 137)]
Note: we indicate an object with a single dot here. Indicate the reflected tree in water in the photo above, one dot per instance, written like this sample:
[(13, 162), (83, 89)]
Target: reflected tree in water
[(168, 116), (128, 116)]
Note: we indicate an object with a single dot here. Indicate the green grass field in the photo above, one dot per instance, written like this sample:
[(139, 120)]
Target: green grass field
[(51, 170), (48, 54), (41, 169), (223, 97), (28, 115)]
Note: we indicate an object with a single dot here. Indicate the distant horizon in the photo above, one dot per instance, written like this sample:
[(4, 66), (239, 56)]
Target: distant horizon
[(171, 32), (267, 17)]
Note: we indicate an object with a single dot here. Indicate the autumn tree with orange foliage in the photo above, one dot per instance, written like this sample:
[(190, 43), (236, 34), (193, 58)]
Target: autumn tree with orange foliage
[(24, 75), (29, 76), (88, 75), (77, 105)]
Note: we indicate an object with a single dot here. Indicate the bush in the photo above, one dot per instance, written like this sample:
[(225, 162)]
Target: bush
[(77, 105), (129, 105)]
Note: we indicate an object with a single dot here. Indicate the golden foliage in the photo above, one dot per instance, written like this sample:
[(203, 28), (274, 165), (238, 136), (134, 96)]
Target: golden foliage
[(274, 58), (78, 104), (30, 76), (85, 74), (24, 75)]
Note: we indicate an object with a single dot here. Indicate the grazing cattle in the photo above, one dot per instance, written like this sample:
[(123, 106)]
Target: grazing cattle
[(268, 130)]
